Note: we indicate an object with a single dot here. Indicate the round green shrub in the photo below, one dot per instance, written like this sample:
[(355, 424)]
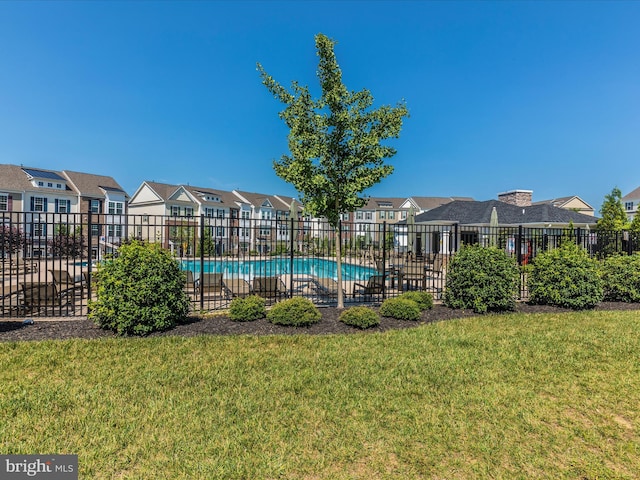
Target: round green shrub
[(423, 299), (297, 312), (360, 317), (247, 309), (400, 308), (621, 278), (565, 277), (139, 291), (483, 279)]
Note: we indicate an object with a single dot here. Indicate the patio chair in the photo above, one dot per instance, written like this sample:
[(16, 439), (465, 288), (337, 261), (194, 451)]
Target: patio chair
[(191, 284), (63, 281), (269, 287), (327, 287), (210, 284), (236, 287), (414, 271), (37, 296), (374, 286)]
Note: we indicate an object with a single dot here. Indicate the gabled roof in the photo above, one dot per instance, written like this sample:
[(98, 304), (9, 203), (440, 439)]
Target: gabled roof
[(633, 195), (376, 203), (429, 203), (259, 199), (562, 201), (13, 178), (90, 185), (479, 213)]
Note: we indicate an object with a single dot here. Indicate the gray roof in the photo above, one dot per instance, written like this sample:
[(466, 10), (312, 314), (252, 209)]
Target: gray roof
[(479, 213)]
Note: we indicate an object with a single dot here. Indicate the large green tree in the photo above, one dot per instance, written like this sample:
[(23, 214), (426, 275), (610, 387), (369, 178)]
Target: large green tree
[(335, 142), (611, 223)]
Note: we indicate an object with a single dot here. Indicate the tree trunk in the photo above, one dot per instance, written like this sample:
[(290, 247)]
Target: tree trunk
[(339, 264)]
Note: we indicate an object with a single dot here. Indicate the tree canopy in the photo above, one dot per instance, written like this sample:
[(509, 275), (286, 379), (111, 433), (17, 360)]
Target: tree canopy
[(613, 216), (335, 140)]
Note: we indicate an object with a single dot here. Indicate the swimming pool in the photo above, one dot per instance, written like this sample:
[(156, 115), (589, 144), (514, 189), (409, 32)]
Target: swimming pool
[(248, 269)]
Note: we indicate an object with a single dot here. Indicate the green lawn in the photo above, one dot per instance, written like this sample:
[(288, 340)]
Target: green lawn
[(491, 397)]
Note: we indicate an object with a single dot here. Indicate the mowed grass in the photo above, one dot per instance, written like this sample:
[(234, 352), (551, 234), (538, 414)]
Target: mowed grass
[(514, 396)]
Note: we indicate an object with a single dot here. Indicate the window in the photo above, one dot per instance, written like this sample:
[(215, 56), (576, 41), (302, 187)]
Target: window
[(41, 184), (4, 203), (114, 230), (220, 213), (50, 185), (382, 215), (94, 206), (59, 186), (403, 215), (359, 215), (115, 208), (63, 206), (38, 204), (39, 229), (246, 214), (265, 231), (628, 205), (266, 215), (344, 217), (245, 232), (95, 230), (175, 211), (391, 215), (234, 214), (188, 211), (208, 212), (219, 231), (368, 216)]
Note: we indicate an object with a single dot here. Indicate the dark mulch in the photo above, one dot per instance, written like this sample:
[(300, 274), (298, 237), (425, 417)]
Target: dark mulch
[(44, 329)]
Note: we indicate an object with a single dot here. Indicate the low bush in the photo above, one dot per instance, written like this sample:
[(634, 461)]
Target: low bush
[(565, 277), (139, 291), (247, 309), (621, 278), (297, 312), (483, 279), (360, 317), (400, 308), (423, 299)]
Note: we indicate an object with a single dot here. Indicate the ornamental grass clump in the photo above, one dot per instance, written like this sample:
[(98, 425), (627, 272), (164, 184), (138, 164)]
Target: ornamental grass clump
[(423, 299), (360, 317), (482, 279), (621, 278), (400, 308), (297, 312), (565, 277), (247, 309), (139, 291)]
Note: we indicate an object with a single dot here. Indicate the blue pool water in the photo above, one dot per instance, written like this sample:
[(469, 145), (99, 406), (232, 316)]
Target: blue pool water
[(248, 269)]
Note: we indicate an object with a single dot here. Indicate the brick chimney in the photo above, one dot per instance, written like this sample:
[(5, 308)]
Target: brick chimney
[(520, 198)]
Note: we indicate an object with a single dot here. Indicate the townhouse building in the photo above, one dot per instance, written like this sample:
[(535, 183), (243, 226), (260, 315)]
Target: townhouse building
[(631, 201), (42, 202)]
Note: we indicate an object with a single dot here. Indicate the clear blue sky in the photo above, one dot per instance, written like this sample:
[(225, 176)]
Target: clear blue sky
[(542, 96)]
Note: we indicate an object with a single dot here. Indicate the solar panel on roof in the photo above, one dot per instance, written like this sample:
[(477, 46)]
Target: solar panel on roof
[(42, 174), (112, 189)]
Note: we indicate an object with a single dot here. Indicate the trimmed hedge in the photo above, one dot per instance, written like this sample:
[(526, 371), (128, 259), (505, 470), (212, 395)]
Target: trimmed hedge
[(483, 279), (621, 278), (360, 317), (247, 309), (140, 291), (565, 277), (400, 308), (423, 299), (297, 312)]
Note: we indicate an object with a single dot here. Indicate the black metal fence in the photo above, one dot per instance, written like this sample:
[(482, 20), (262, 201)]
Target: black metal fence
[(48, 259)]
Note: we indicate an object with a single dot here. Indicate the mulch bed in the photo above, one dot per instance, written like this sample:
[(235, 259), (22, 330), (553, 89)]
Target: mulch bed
[(45, 329)]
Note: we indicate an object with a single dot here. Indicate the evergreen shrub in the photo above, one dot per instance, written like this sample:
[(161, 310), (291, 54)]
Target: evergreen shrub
[(483, 279), (139, 291), (565, 277), (297, 312), (400, 308), (360, 317), (621, 278), (247, 309), (423, 299)]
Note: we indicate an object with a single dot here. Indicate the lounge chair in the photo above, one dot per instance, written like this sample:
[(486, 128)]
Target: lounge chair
[(63, 281), (191, 284), (374, 286), (37, 296), (269, 287), (210, 284), (327, 287), (236, 287)]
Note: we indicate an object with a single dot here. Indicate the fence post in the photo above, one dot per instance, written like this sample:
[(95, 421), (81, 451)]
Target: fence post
[(519, 245), (201, 259), (384, 259), (89, 246), (291, 247)]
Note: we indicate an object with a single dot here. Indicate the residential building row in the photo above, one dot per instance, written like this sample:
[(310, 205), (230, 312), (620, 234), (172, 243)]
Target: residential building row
[(235, 221)]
